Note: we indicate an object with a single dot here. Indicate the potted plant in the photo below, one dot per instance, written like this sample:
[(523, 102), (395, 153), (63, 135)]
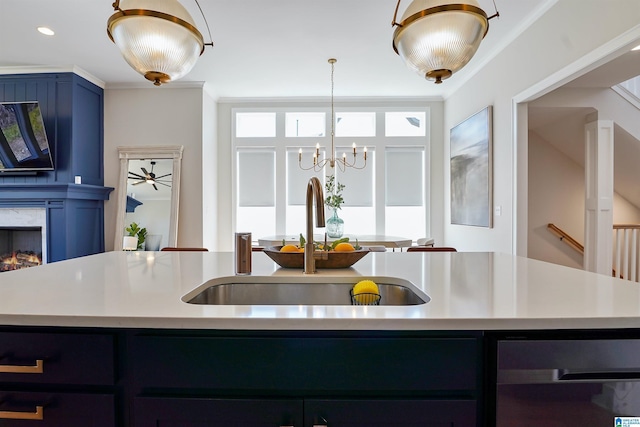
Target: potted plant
[(334, 200), (140, 234)]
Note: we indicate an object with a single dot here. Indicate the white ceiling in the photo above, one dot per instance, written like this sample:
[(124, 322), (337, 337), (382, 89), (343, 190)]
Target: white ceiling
[(263, 48)]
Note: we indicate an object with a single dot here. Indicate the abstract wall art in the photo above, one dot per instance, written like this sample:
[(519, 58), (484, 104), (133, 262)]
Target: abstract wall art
[(471, 170)]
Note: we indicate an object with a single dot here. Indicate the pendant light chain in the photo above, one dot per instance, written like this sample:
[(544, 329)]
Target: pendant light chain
[(333, 118)]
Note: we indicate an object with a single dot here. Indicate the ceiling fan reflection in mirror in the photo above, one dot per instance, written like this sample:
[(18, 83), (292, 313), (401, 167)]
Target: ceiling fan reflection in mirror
[(150, 177)]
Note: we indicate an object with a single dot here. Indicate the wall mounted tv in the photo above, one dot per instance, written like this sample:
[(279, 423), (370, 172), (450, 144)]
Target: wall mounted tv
[(23, 140)]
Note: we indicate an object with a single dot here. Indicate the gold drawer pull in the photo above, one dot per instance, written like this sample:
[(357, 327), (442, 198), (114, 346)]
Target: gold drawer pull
[(12, 415), (38, 368)]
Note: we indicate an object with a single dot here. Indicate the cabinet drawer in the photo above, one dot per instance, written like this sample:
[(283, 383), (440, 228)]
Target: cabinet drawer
[(20, 409), (384, 412), (328, 364), (86, 359), (199, 412)]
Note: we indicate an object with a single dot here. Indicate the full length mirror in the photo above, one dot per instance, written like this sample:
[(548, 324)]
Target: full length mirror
[(148, 195)]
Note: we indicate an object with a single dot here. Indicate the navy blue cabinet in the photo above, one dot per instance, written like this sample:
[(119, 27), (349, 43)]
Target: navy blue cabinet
[(72, 110), (340, 379), (57, 379), (148, 378)]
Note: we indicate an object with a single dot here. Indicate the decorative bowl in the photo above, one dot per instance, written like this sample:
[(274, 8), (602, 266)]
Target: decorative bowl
[(296, 259)]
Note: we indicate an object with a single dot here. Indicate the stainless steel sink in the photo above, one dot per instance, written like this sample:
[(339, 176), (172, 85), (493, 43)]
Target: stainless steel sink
[(296, 291)]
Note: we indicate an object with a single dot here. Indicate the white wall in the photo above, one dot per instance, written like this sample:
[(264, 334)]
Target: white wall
[(556, 195), (169, 115), (566, 33), (210, 183)]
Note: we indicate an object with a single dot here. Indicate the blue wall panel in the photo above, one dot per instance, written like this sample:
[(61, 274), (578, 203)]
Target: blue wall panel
[(87, 135), (86, 224), (57, 232)]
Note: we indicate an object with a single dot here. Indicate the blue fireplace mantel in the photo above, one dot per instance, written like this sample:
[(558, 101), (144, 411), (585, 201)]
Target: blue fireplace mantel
[(73, 115), (19, 193)]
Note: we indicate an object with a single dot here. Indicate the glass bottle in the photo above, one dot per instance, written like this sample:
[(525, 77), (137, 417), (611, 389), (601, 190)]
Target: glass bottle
[(335, 225)]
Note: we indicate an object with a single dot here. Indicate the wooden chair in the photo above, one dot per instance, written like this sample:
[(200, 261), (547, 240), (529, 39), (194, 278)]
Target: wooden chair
[(431, 249), (169, 248)]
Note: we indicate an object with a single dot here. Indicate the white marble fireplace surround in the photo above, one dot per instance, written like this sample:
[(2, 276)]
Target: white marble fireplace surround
[(27, 217)]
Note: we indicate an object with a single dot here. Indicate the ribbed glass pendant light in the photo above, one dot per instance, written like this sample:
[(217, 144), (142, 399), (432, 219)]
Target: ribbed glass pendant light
[(436, 39), (158, 39)]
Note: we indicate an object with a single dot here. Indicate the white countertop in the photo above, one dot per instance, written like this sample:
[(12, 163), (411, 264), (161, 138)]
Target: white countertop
[(468, 291)]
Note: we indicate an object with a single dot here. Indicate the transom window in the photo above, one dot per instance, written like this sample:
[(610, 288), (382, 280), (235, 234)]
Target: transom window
[(389, 196)]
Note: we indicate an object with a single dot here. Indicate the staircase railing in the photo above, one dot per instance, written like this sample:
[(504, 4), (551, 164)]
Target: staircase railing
[(626, 239), (566, 238), (626, 249)]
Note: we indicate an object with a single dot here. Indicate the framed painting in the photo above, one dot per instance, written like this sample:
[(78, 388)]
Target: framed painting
[(471, 170)]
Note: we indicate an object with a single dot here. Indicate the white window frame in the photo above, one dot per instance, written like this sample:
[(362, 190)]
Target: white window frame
[(380, 142)]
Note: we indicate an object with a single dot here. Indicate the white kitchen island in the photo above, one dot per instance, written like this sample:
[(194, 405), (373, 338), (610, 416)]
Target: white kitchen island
[(108, 337), (468, 291)]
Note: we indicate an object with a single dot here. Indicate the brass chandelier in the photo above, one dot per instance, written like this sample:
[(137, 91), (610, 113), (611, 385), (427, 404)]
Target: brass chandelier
[(343, 163), (436, 39), (158, 39)]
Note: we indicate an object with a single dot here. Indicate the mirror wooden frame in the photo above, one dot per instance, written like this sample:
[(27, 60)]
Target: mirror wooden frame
[(125, 154)]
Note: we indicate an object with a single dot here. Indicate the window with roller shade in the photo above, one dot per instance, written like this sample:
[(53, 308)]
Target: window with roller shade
[(389, 196)]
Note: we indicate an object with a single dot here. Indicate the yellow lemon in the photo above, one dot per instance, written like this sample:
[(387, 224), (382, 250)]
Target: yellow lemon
[(365, 287), (344, 247), (289, 248)]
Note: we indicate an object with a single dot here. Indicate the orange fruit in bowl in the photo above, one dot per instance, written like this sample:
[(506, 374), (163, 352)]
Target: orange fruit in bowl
[(344, 247), (289, 248)]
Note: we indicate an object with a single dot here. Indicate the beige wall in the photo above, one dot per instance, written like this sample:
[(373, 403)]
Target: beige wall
[(210, 182), (556, 195), (170, 115), (560, 38)]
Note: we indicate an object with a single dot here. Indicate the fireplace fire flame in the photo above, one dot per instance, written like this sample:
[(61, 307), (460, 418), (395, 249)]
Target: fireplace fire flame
[(18, 260)]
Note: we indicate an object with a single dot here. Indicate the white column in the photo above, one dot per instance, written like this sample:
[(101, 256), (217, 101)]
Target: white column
[(598, 168)]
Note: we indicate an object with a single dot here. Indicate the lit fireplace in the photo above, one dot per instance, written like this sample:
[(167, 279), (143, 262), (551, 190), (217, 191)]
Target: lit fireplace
[(20, 247), (19, 260)]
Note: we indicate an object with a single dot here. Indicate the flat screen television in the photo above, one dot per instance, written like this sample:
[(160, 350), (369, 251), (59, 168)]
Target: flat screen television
[(23, 140)]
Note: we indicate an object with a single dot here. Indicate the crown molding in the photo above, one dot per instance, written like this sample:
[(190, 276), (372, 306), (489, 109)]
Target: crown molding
[(41, 69)]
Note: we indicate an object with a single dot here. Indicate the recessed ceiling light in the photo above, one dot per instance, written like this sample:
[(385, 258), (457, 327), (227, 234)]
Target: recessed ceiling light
[(46, 31)]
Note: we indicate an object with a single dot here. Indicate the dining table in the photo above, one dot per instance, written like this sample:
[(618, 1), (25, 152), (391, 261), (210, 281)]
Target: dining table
[(367, 240)]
